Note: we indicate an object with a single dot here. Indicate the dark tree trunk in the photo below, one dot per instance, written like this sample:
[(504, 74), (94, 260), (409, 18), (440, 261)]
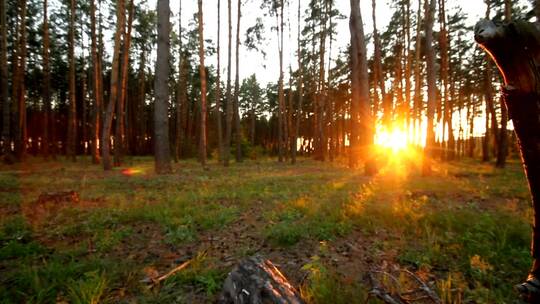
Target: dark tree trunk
[(97, 90), (522, 99), (71, 146), (237, 127), (502, 147), (120, 131), (45, 142), (300, 89), (202, 74), (113, 92), (179, 119), (431, 82), (18, 96), (281, 95), (229, 105), (218, 89), (417, 104), (161, 88), (4, 80)]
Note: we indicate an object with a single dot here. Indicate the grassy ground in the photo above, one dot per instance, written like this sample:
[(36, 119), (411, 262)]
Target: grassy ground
[(466, 228)]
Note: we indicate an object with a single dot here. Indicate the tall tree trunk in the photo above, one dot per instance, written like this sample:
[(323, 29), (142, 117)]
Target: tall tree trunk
[(229, 105), (238, 129), (218, 88), (20, 98), (491, 134), (471, 113), (366, 125), (161, 88), (300, 88), (84, 105), (71, 146), (485, 140), (408, 70), (281, 95), (432, 89), (140, 121), (377, 68), (354, 25), (418, 81), (113, 92), (6, 143), (45, 142), (202, 74), (179, 119), (320, 95), (448, 107), (97, 83), (120, 130)]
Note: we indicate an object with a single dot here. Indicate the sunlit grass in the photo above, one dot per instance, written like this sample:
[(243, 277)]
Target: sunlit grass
[(466, 211)]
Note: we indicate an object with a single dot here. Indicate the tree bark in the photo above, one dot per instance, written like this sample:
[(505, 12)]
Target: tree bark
[(448, 107), (19, 86), (161, 88), (97, 90), (281, 95), (431, 82), (366, 125), (237, 127), (502, 148), (202, 74), (178, 121), (6, 142), (418, 81), (229, 105), (258, 281), (300, 89), (377, 68), (120, 131), (71, 146), (113, 92), (354, 24), (519, 67), (218, 88), (45, 142)]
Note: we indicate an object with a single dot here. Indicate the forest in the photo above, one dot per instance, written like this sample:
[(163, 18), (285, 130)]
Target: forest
[(373, 151)]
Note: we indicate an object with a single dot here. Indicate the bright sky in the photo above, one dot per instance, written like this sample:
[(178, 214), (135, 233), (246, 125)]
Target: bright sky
[(268, 70)]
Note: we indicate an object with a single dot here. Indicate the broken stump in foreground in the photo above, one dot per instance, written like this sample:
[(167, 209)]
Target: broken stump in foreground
[(256, 281)]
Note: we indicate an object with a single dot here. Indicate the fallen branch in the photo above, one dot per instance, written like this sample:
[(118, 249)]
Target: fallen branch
[(394, 295), (175, 270), (156, 281)]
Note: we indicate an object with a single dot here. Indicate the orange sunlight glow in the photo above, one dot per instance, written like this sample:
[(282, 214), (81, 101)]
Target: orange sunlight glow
[(130, 171), (394, 139)]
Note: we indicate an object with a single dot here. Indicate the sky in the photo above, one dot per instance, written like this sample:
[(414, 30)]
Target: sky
[(267, 70)]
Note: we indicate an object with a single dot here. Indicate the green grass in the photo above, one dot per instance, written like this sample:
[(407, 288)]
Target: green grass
[(468, 225)]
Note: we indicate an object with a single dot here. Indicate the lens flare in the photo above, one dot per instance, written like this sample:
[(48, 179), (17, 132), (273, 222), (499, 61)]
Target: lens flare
[(394, 139)]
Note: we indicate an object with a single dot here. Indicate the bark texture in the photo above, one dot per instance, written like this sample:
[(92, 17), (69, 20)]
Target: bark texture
[(257, 281), (519, 67), (161, 87), (71, 145), (202, 75), (113, 92)]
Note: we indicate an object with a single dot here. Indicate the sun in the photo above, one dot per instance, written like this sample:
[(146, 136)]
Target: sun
[(394, 139)]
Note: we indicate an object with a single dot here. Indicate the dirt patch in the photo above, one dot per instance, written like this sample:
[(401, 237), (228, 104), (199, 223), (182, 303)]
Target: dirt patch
[(48, 204)]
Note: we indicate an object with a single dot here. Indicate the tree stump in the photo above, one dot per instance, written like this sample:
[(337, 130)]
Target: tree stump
[(515, 47), (256, 281)]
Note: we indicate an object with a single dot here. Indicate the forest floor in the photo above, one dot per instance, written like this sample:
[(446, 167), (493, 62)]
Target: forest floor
[(466, 229)]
